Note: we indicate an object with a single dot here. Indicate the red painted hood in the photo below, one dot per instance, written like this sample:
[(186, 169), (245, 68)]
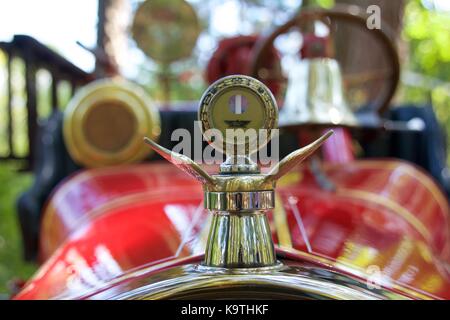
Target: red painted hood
[(386, 218)]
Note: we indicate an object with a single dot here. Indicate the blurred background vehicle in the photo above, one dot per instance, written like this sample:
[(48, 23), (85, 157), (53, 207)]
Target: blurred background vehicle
[(42, 69)]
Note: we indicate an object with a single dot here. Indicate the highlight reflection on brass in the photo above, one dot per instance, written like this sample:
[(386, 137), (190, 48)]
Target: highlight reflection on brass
[(277, 282), (239, 201), (239, 240)]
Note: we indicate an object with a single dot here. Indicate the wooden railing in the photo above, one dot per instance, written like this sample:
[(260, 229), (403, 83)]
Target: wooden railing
[(35, 57)]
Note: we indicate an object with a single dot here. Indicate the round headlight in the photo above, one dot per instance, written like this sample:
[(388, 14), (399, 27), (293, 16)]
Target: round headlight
[(105, 122)]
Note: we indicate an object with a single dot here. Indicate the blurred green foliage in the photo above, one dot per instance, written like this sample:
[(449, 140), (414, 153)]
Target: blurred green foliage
[(12, 266), (321, 3), (427, 34)]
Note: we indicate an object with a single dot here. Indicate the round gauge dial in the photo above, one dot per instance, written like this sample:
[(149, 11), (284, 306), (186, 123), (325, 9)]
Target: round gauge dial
[(234, 110), (166, 31)]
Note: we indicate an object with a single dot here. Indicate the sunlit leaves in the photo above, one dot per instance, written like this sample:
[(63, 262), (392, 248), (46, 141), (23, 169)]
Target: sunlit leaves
[(428, 35)]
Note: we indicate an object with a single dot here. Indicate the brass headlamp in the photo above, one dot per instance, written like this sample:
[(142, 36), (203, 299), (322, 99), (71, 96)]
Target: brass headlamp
[(103, 121), (239, 196)]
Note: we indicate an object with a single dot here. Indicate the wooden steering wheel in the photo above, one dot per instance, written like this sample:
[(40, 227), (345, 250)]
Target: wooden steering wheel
[(386, 77)]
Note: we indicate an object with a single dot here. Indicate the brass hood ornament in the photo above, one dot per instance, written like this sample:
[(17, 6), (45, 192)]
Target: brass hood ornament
[(239, 195)]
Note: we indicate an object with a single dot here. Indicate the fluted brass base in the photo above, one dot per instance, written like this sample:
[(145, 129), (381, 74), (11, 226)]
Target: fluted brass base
[(240, 240)]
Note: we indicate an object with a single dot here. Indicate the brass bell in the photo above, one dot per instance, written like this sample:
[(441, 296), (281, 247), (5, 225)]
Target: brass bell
[(314, 95)]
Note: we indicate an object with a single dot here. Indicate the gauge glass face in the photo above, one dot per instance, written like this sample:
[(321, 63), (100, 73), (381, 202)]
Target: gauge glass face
[(241, 112), (237, 108)]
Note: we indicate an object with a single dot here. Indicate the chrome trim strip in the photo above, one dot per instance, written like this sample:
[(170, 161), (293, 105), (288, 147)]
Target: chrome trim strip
[(238, 201)]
